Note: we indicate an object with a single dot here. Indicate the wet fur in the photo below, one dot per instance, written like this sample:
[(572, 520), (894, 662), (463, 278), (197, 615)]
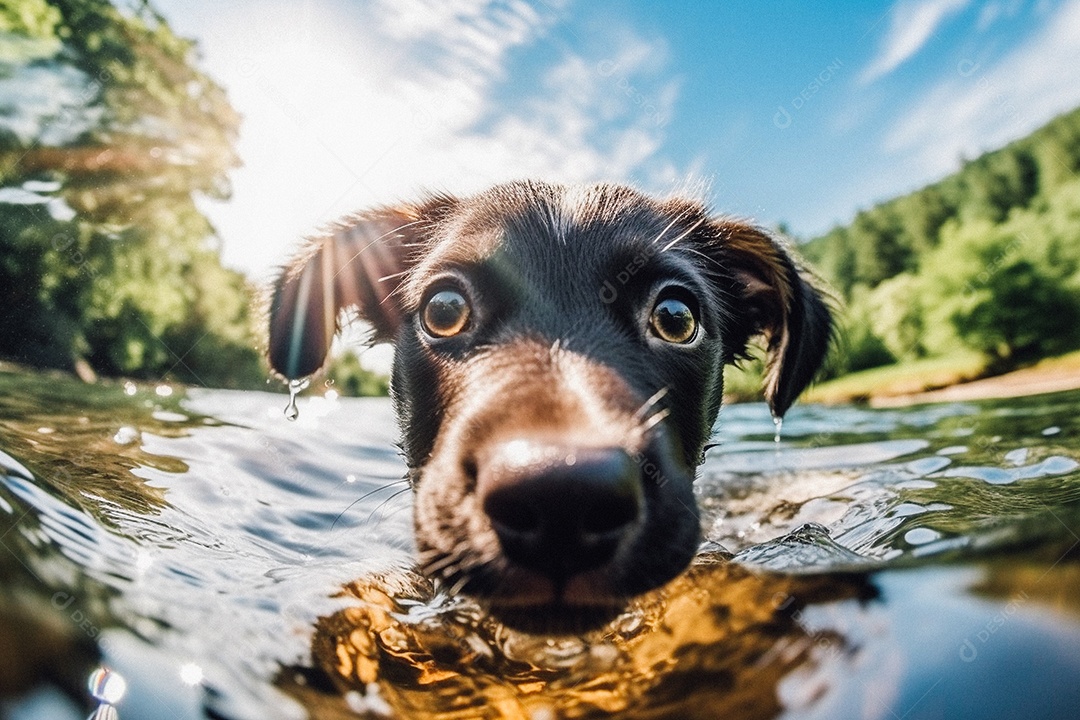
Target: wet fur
[(561, 280)]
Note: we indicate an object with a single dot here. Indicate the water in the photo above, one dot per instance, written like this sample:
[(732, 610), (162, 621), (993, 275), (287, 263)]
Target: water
[(226, 562)]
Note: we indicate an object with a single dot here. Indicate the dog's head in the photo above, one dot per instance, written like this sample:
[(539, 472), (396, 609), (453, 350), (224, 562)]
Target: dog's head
[(557, 372)]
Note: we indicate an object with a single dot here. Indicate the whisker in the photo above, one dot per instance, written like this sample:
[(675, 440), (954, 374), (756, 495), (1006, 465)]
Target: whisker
[(382, 487), (383, 504), (395, 275), (654, 420), (459, 585), (648, 404), (359, 252), (689, 230), (663, 232), (708, 258), (369, 494), (441, 563)]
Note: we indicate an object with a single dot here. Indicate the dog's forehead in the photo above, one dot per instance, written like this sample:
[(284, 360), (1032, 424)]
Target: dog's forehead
[(524, 225)]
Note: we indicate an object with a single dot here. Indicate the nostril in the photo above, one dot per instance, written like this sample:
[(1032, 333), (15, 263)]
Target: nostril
[(468, 466), (610, 515), (512, 513)]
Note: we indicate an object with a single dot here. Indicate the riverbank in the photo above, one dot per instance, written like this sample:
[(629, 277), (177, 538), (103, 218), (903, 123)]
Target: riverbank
[(947, 380)]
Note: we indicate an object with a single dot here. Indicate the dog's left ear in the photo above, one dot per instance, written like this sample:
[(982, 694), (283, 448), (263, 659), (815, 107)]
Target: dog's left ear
[(357, 263), (769, 294)]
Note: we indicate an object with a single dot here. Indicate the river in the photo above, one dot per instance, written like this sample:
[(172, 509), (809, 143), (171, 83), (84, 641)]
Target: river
[(221, 561)]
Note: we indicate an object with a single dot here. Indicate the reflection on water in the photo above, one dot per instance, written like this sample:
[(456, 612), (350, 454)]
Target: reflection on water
[(225, 561), (717, 642)]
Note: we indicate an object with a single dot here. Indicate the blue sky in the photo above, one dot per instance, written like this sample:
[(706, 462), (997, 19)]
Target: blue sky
[(789, 112)]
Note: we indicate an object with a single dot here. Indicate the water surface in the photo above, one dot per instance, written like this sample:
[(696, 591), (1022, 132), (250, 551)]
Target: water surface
[(227, 563)]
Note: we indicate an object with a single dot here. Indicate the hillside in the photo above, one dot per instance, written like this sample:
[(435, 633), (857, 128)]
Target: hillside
[(985, 261)]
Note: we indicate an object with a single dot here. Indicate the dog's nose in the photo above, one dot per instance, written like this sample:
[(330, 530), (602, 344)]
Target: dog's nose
[(560, 511)]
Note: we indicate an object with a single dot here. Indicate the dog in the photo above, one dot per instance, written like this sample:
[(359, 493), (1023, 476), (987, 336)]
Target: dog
[(558, 368)]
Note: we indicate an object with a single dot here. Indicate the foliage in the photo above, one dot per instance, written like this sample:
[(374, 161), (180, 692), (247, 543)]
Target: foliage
[(349, 377), (986, 259), (859, 346), (104, 254)]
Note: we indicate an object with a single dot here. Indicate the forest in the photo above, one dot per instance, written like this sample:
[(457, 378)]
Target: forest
[(985, 261)]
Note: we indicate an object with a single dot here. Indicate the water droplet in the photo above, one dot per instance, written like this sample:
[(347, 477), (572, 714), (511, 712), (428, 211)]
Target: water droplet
[(106, 685), (1052, 430), (105, 711), (295, 388), (130, 388), (779, 423)]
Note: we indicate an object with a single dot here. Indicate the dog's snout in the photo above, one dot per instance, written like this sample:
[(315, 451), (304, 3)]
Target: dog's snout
[(560, 511)]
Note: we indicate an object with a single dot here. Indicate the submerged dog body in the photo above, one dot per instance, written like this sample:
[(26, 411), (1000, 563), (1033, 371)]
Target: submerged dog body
[(557, 372)]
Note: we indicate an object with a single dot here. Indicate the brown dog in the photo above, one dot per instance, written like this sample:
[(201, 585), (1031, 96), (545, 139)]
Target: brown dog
[(557, 372)]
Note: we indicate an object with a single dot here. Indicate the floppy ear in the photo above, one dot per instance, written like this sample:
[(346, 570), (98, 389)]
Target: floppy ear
[(358, 262), (771, 295)]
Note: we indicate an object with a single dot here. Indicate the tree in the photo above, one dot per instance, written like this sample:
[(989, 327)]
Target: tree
[(896, 314), (875, 241), (894, 236), (997, 182), (350, 378), (998, 290), (860, 346), (987, 258), (108, 259)]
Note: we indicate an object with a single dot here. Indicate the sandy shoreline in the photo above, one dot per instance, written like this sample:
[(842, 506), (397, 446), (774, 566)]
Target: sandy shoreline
[(1029, 381)]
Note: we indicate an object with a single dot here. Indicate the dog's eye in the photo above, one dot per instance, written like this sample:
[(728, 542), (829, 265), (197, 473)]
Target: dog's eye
[(446, 313), (673, 321)]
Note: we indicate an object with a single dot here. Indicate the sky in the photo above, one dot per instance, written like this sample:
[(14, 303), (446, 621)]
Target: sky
[(797, 113)]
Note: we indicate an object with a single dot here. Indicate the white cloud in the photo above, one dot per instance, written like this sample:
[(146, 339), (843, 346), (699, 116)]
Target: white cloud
[(992, 12), (983, 106), (352, 108), (911, 25)]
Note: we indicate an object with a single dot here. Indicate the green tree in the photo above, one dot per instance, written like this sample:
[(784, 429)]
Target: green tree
[(106, 257), (998, 182), (998, 290), (895, 236), (349, 377), (921, 216), (875, 241), (986, 259), (895, 312), (860, 346)]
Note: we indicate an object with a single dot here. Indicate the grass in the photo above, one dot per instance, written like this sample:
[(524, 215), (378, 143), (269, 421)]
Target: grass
[(921, 375), (743, 384), (903, 378)]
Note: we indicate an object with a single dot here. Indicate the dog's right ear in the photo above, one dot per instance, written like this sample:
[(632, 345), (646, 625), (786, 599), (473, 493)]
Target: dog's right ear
[(358, 262)]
